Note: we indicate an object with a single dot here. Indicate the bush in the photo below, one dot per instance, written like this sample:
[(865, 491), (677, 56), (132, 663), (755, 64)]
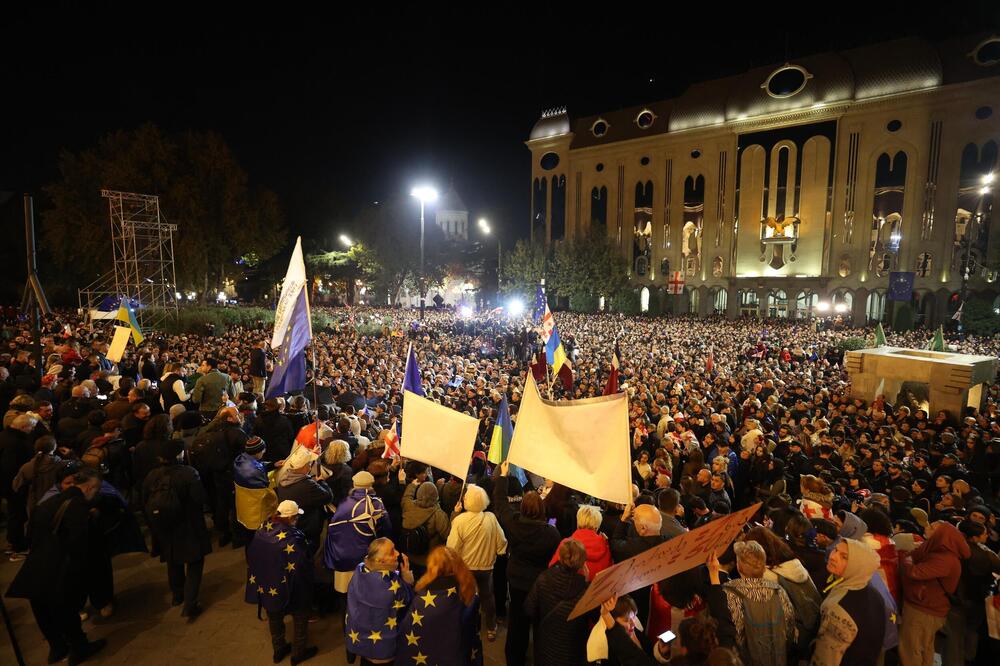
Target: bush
[(194, 319), (978, 317), (852, 344), (902, 317), (583, 303), (626, 301)]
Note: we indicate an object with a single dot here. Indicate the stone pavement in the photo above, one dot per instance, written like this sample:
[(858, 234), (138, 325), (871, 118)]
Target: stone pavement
[(145, 629)]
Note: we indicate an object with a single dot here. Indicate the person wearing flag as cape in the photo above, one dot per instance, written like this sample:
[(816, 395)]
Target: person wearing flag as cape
[(360, 519), (442, 623), (381, 590), (280, 579)]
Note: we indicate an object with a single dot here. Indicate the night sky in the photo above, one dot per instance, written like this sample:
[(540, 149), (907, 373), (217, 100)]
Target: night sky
[(333, 110)]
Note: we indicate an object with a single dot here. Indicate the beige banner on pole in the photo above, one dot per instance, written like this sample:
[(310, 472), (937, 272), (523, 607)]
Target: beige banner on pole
[(437, 435), (118, 343), (582, 444)]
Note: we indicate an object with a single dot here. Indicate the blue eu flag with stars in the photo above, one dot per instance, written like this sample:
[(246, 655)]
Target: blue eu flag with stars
[(290, 367), (901, 285), (538, 312)]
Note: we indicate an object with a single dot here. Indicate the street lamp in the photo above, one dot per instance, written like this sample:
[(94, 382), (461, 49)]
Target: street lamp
[(967, 239), (425, 194), (345, 240)]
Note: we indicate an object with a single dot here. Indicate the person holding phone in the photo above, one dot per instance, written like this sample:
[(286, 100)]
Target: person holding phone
[(627, 643)]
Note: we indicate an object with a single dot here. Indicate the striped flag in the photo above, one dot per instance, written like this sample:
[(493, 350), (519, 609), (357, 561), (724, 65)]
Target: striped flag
[(392, 441), (612, 385)]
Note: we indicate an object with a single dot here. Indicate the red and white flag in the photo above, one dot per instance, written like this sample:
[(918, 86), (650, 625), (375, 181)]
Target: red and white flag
[(675, 285), (710, 362), (612, 385), (391, 442)]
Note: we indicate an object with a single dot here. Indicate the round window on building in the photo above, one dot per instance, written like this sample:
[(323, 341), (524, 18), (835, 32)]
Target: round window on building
[(599, 128), (549, 161), (894, 125), (984, 112), (786, 81), (988, 52), (695, 153), (645, 119), (600, 166), (644, 161)]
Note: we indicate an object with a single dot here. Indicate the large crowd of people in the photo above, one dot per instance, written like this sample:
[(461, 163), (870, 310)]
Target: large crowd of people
[(875, 542)]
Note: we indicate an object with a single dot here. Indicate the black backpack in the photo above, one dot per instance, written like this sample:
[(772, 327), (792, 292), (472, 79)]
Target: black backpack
[(204, 451), (416, 541), (163, 507)]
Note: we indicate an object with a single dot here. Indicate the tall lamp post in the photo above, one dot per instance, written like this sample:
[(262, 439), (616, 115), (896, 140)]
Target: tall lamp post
[(484, 226), (425, 194), (967, 260)]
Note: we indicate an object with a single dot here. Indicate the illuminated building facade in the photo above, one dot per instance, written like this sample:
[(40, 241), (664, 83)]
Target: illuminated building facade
[(794, 189)]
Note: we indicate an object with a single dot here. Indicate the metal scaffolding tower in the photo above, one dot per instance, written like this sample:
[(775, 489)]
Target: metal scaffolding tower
[(143, 254)]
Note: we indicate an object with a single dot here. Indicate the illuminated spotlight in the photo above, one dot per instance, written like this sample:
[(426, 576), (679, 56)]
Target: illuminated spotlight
[(221, 296), (465, 311), (178, 295), (515, 307), (840, 307), (822, 306), (987, 179), (345, 240), (984, 191)]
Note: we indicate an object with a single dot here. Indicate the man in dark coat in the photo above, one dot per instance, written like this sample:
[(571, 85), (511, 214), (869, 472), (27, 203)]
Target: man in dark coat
[(227, 440), (173, 498), (280, 579), (54, 577), (16, 448), (258, 367), (558, 640), (647, 521), (274, 428)]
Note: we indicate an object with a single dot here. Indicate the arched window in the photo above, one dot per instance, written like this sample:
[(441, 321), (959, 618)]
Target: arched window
[(599, 208), (777, 304), (749, 305), (558, 207), (922, 266), (644, 299), (875, 308), (720, 298), (694, 300), (804, 304), (843, 301)]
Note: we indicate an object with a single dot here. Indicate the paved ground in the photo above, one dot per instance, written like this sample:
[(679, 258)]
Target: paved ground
[(145, 629)]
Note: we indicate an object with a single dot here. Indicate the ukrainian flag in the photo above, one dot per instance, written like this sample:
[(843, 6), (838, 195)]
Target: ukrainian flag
[(503, 432), (554, 352), (127, 315)]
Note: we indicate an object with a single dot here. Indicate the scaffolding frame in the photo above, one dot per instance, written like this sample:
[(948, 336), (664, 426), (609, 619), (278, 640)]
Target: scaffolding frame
[(143, 260)]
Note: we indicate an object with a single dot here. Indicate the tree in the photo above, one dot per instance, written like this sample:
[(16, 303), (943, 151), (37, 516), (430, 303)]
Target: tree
[(586, 268), (979, 317), (521, 269), (202, 188), (389, 252)]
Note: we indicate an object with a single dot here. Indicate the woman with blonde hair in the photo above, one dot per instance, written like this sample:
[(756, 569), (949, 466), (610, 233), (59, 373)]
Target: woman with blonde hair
[(446, 597)]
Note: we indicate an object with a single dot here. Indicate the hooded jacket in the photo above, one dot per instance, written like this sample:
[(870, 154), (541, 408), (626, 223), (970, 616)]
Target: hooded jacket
[(933, 570), (359, 520), (421, 507), (852, 617)]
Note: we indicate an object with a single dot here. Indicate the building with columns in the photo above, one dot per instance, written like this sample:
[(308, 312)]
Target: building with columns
[(793, 189), (452, 216)]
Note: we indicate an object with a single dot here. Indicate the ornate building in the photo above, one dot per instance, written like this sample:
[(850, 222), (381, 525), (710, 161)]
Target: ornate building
[(792, 189), (453, 216)]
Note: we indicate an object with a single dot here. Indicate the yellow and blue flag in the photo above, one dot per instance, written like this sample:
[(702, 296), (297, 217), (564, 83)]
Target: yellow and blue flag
[(127, 314), (292, 330), (503, 432)]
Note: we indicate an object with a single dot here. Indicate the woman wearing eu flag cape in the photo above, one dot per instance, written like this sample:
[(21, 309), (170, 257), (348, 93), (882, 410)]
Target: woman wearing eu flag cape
[(445, 599)]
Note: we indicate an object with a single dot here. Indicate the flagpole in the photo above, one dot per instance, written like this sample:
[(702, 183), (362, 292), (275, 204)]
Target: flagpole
[(315, 392)]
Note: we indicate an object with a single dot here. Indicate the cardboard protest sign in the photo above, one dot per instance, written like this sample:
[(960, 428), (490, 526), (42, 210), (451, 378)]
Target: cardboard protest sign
[(437, 435), (582, 444), (118, 343), (670, 558)]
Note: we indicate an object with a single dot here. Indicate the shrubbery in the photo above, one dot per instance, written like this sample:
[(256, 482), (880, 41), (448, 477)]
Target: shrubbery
[(195, 319)]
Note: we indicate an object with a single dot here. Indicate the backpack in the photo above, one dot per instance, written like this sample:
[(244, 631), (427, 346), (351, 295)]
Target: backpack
[(764, 641), (805, 600), (163, 507), (416, 541)]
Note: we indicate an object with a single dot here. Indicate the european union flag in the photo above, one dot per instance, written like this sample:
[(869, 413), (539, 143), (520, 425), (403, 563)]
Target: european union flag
[(901, 285), (279, 569), (539, 310), (411, 375), (439, 628), (290, 367)]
